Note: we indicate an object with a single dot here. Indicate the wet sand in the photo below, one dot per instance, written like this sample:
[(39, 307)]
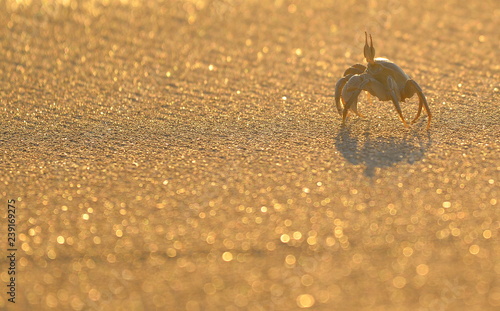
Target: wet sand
[(188, 155)]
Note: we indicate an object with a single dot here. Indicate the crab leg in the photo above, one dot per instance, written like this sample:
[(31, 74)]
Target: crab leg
[(413, 86), (393, 91)]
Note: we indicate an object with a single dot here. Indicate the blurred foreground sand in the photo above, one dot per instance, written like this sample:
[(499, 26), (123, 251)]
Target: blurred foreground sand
[(187, 155)]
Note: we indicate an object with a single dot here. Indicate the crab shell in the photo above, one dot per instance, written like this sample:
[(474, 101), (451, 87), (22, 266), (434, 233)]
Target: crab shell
[(383, 67)]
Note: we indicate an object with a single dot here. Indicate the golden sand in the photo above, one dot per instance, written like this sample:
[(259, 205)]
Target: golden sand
[(188, 155)]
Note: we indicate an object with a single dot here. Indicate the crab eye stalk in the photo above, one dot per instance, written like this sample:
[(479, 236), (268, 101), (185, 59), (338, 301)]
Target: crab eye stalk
[(369, 51)]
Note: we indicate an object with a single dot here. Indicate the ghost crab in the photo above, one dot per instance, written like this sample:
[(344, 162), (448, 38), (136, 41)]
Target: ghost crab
[(382, 79)]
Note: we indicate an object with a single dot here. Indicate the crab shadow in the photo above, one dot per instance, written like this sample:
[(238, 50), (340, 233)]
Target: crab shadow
[(362, 147)]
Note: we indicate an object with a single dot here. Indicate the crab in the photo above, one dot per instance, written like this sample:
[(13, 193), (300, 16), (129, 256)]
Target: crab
[(380, 78)]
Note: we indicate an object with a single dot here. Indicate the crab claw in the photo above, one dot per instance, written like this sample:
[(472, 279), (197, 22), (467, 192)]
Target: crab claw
[(338, 93), (350, 94)]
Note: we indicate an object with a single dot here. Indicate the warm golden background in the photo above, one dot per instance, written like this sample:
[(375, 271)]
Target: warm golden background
[(187, 155)]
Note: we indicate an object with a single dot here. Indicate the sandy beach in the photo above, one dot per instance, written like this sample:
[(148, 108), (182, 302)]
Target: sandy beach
[(188, 155)]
